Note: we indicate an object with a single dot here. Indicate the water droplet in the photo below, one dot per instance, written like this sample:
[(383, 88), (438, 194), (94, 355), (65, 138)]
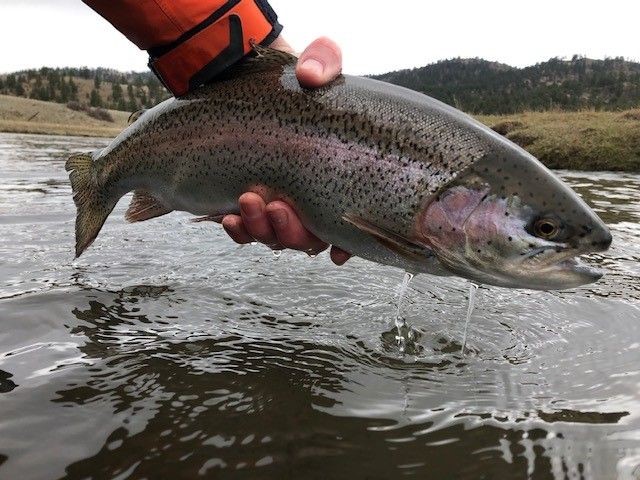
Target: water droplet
[(277, 253), (472, 300), (401, 325)]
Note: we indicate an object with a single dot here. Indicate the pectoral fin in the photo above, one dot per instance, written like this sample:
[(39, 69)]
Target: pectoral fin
[(145, 206), (394, 242), (208, 218)]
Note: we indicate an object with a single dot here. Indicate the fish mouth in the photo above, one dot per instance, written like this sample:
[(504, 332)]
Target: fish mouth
[(566, 261), (561, 266), (579, 267)]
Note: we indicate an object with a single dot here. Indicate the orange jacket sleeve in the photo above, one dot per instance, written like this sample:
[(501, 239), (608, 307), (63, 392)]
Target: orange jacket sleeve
[(191, 41)]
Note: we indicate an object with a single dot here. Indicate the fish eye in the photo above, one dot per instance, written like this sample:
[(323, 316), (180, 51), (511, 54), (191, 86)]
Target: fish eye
[(547, 228)]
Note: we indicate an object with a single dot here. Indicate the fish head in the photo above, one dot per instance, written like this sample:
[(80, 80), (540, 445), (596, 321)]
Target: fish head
[(509, 221)]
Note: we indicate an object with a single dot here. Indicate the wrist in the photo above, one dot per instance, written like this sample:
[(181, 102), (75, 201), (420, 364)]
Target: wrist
[(221, 40)]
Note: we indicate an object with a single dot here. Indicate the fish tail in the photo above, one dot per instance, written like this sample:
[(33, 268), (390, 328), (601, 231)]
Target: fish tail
[(93, 205)]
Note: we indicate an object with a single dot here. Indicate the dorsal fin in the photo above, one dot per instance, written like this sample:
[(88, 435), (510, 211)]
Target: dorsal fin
[(264, 59), (276, 56)]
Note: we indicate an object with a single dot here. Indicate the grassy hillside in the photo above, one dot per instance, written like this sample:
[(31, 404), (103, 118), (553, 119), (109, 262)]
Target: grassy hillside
[(100, 87), (22, 115), (575, 140)]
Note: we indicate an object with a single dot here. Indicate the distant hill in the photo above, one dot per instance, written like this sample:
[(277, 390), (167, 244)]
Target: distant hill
[(473, 85), (481, 87), (101, 88)]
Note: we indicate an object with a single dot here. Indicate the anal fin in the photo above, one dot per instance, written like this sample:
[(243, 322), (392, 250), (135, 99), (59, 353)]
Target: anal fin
[(145, 206), (394, 242)]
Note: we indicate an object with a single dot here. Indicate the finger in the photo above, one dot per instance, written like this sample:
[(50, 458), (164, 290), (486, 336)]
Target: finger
[(339, 256), (252, 210), (290, 231), (320, 63), (234, 227)]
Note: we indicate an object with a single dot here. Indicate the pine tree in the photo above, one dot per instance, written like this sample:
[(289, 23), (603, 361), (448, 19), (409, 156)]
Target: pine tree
[(65, 92), (116, 92), (95, 99), (73, 88), (11, 82)]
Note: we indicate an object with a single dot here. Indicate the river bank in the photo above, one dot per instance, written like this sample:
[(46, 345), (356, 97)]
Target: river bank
[(586, 140)]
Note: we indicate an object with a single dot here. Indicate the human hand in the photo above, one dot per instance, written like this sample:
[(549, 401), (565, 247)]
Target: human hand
[(276, 224)]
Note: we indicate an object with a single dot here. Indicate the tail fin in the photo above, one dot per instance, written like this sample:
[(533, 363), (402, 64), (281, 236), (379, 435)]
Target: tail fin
[(93, 205)]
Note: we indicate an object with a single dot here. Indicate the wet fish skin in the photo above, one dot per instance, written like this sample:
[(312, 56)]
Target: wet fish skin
[(361, 162)]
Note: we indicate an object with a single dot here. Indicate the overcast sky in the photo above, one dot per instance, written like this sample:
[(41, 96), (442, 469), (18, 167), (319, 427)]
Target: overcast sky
[(376, 36)]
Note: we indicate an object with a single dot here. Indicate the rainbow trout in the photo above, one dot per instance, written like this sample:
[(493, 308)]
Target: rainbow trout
[(383, 172)]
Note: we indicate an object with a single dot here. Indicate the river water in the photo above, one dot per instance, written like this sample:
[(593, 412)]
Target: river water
[(167, 351)]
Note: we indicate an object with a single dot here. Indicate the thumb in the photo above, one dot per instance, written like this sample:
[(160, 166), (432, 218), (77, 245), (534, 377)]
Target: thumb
[(320, 63)]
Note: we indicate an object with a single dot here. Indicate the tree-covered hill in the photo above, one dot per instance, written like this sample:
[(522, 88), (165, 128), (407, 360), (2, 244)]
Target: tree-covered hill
[(473, 85), (100, 87), (482, 87)]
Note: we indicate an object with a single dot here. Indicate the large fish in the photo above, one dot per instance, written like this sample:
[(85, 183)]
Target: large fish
[(383, 172)]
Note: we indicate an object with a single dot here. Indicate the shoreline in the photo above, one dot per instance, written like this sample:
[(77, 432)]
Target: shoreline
[(31, 128)]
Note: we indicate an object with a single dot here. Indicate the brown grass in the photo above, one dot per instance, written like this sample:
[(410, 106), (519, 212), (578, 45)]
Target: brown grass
[(21, 115), (586, 140)]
